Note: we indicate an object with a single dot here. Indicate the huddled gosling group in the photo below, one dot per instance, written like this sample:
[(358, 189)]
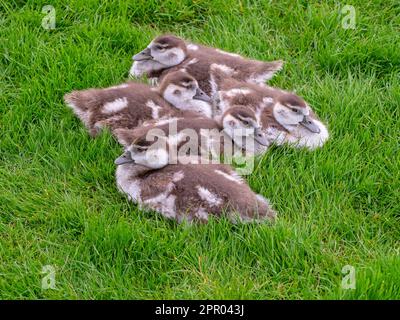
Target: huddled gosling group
[(196, 89)]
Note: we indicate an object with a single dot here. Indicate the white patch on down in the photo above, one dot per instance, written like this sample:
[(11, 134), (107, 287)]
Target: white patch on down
[(214, 88), (200, 107), (202, 214), (131, 187), (261, 78), (120, 86), (163, 203), (223, 101), (116, 105), (154, 109), (192, 61), (166, 121), (258, 112), (178, 176), (140, 68), (237, 91), (192, 47), (222, 68), (301, 137), (267, 100), (137, 70), (235, 55), (234, 176), (211, 198)]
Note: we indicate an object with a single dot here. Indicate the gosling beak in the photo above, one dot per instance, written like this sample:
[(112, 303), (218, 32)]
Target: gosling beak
[(124, 158), (143, 55), (260, 137), (308, 123), (201, 95)]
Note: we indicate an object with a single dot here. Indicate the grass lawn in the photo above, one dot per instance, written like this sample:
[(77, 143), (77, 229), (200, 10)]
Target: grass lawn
[(337, 206)]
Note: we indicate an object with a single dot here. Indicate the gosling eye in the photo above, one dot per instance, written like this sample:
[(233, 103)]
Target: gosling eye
[(159, 48), (295, 110), (138, 148), (187, 86), (177, 92)]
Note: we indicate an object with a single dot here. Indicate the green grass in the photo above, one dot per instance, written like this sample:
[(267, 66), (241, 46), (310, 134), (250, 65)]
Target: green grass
[(337, 206)]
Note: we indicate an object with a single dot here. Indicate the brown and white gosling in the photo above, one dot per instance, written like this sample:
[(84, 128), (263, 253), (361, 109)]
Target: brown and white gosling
[(130, 104), (167, 53), (191, 191), (237, 133), (284, 116)]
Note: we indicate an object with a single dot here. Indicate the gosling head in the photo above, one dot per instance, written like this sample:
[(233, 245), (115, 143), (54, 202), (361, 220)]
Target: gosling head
[(167, 50), (240, 122), (144, 153), (183, 92), (290, 111)]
